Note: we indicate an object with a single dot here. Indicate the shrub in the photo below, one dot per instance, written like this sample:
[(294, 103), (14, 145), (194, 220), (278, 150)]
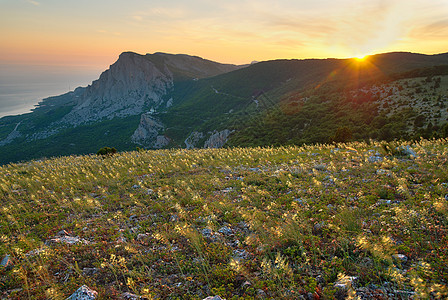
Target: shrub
[(107, 151), (342, 135)]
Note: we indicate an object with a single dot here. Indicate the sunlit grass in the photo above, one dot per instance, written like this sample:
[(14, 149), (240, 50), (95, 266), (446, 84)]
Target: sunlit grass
[(192, 223)]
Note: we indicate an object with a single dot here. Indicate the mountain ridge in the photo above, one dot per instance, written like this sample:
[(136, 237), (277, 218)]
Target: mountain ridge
[(169, 100)]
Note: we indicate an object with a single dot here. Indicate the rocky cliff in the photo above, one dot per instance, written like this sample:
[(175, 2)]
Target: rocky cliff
[(147, 133), (134, 85)]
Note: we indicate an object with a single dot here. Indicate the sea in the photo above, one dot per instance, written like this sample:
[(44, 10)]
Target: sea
[(22, 87)]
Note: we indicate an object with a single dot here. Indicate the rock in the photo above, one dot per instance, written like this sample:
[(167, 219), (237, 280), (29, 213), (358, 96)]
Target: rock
[(225, 230), (62, 233), (136, 186), (300, 201), (320, 167), (320, 279), (71, 240), (6, 261), (227, 190), (239, 254), (246, 284), (318, 227), (129, 296), (381, 172), (401, 258), (88, 272), (346, 282), (374, 158), (174, 218), (193, 139), (35, 252), (217, 139), (214, 298), (261, 294), (141, 236), (207, 232), (83, 293), (409, 151), (243, 225), (121, 240), (147, 132), (383, 202)]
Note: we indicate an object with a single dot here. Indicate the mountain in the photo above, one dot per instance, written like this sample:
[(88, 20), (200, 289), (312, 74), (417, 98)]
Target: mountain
[(163, 100)]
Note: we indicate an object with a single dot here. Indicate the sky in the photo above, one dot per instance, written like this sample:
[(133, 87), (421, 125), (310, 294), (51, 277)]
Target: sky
[(48, 47), (92, 33)]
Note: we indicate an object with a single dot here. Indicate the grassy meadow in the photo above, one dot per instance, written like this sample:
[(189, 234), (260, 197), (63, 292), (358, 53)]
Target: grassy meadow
[(358, 220)]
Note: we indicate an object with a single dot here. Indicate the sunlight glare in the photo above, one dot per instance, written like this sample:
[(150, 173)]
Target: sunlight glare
[(361, 57)]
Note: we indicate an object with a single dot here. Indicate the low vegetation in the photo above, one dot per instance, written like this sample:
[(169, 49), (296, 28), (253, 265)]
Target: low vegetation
[(326, 221)]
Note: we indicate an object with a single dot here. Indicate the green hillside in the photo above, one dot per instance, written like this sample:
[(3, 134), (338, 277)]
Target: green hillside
[(363, 220), (280, 102)]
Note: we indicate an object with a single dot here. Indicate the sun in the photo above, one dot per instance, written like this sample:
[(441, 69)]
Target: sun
[(361, 57)]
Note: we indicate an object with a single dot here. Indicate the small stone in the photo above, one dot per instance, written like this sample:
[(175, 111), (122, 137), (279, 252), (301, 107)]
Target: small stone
[(89, 271), (239, 254), (374, 159), (300, 201), (6, 261), (129, 296), (243, 225), (346, 282), (214, 298), (246, 284), (261, 293), (410, 152), (71, 240), (207, 232), (225, 230), (381, 172), (320, 167), (400, 258), (135, 186), (83, 293), (318, 227), (121, 240), (320, 279), (141, 236), (35, 252), (62, 233), (383, 202)]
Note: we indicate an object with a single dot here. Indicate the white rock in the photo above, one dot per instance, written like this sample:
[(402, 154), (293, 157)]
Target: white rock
[(214, 298), (217, 139), (83, 293)]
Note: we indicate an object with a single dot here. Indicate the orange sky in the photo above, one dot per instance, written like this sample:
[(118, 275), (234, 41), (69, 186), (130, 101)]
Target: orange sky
[(92, 33)]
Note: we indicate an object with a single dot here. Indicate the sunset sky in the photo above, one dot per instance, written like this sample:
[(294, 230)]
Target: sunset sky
[(94, 32)]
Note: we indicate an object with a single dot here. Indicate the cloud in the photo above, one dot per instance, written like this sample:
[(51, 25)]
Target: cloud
[(435, 29), (33, 2)]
